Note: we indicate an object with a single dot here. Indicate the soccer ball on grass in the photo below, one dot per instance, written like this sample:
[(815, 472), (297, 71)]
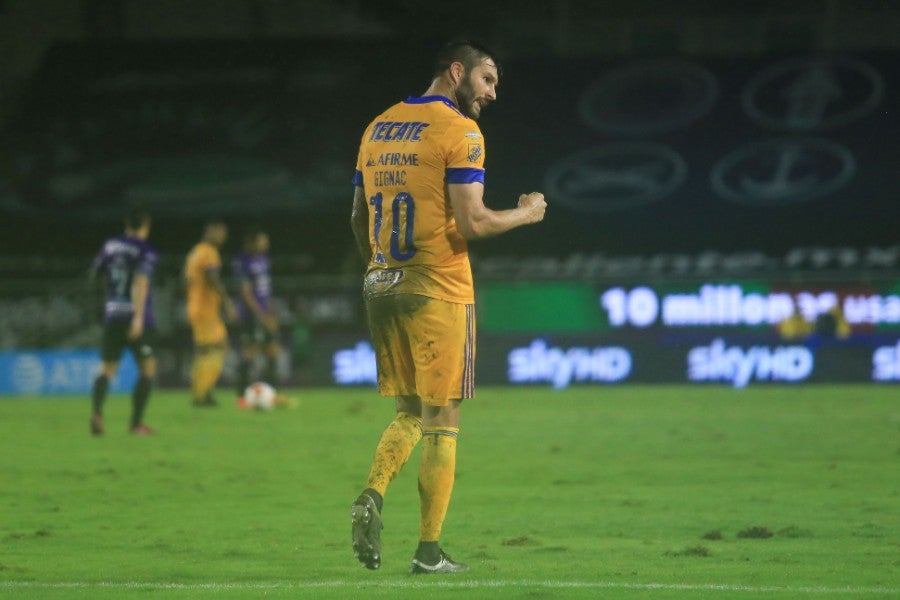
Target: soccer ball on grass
[(260, 395)]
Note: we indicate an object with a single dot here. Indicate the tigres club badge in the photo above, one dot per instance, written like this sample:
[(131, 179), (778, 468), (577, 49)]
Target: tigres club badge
[(474, 152)]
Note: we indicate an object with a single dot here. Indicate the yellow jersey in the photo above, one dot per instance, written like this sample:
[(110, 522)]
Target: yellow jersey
[(407, 156), (202, 298)]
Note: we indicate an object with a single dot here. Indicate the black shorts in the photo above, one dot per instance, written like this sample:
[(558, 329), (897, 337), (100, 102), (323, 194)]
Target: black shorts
[(115, 340), (254, 333)]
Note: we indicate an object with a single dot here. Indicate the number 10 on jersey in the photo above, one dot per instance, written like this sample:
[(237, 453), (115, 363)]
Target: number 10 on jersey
[(403, 211)]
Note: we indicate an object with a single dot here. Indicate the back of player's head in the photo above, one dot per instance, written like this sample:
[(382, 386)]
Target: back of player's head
[(214, 224), (215, 231), (469, 53), (251, 234), (136, 218)]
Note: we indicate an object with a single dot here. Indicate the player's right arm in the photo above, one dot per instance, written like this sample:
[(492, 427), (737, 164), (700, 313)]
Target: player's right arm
[(140, 288), (476, 221), (140, 291), (359, 222), (266, 318)]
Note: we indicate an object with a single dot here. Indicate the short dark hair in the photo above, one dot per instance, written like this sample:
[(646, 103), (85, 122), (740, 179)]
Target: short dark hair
[(137, 217), (469, 53)]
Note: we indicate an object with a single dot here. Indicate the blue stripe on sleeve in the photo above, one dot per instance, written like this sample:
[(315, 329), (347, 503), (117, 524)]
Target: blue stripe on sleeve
[(465, 175), (357, 179)]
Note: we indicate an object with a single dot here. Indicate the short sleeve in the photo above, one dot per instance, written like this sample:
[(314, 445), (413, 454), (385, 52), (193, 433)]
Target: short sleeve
[(465, 153)]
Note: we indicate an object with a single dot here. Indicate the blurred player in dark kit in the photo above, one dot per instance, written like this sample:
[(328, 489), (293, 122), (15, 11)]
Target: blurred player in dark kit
[(126, 263), (257, 321)]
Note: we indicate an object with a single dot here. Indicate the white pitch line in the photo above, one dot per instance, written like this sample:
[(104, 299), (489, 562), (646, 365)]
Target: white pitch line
[(300, 585)]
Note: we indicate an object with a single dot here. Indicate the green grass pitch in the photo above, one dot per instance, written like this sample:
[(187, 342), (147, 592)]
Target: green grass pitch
[(625, 492)]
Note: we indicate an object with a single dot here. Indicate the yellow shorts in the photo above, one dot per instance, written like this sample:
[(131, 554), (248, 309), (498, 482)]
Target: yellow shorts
[(208, 329), (423, 347)]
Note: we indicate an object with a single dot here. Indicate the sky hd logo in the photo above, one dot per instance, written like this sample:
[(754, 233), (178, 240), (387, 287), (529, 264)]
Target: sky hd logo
[(539, 363), (886, 363), (354, 366), (738, 367)]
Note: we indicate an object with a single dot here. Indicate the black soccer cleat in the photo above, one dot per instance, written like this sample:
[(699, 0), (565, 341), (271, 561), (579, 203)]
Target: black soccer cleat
[(445, 564), (366, 531)]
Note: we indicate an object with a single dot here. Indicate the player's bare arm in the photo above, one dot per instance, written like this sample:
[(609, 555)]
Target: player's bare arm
[(140, 287), (476, 221), (359, 222)]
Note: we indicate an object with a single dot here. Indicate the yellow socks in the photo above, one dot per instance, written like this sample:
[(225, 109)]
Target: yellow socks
[(437, 470), (396, 444), (205, 371)]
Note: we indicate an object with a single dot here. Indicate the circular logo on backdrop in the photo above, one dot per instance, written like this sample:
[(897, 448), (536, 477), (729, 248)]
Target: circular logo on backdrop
[(28, 373), (782, 171), (616, 177), (649, 97), (813, 94)]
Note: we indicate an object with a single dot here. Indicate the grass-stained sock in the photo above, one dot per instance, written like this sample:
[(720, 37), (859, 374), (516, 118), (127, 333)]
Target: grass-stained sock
[(393, 450)]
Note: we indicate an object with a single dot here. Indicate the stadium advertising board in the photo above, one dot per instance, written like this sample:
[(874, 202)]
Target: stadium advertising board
[(34, 372), (737, 333), (562, 361), (747, 305), (700, 304), (886, 363)]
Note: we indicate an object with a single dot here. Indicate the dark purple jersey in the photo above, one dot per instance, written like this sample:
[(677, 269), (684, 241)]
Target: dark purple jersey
[(120, 259), (253, 268)]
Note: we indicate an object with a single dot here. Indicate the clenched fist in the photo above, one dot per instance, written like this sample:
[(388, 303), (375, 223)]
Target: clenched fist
[(535, 204)]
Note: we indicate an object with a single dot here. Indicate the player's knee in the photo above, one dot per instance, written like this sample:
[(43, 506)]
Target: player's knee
[(148, 367), (409, 404), (441, 416), (109, 369)]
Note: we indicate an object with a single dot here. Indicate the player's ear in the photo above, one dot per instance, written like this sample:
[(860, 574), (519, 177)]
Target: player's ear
[(457, 72)]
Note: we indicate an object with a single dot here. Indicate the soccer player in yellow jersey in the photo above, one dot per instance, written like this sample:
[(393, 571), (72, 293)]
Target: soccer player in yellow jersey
[(206, 298), (418, 199)]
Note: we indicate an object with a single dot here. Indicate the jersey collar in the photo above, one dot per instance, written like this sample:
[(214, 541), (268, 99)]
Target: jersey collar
[(436, 98)]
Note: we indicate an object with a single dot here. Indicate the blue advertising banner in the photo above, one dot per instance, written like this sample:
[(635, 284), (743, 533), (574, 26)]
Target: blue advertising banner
[(721, 357), (35, 372)]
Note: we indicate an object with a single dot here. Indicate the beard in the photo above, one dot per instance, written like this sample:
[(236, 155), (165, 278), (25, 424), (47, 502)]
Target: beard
[(465, 98)]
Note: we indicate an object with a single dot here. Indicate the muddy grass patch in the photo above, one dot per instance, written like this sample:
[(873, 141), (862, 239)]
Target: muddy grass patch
[(690, 551), (522, 540), (792, 531), (755, 532)]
